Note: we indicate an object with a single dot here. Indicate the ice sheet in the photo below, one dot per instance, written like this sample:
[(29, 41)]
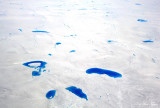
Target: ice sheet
[(71, 36)]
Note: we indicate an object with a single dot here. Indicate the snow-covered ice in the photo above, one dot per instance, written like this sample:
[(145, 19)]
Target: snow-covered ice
[(65, 53)]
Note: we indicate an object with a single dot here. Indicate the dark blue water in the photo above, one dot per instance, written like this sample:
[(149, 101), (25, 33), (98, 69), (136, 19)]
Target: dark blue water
[(36, 73), (148, 41), (58, 43), (103, 71), (109, 41), (72, 51), (42, 64), (44, 70), (142, 20), (39, 68), (50, 54), (50, 94), (77, 91), (40, 32), (20, 30)]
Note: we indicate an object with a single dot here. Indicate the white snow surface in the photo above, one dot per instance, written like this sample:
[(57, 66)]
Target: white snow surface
[(85, 26)]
